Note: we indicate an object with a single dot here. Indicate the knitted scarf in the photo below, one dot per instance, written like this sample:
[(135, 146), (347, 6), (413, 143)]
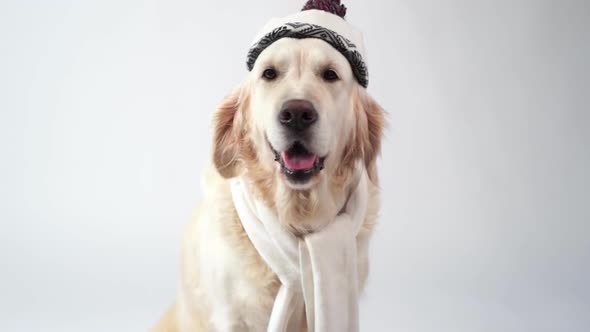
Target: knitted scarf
[(318, 272)]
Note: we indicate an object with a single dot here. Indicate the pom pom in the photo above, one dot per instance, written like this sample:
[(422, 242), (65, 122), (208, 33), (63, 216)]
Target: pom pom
[(330, 6)]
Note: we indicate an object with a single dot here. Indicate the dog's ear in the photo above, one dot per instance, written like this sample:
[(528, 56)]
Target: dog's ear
[(371, 138), (365, 142), (228, 133)]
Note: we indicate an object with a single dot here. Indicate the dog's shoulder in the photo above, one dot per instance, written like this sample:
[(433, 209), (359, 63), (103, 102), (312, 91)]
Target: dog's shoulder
[(220, 265)]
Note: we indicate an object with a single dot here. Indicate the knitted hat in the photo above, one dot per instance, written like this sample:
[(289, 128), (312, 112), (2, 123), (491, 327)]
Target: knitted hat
[(321, 19)]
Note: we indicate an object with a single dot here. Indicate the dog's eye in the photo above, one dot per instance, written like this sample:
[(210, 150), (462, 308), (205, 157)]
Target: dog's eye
[(330, 75), (269, 74)]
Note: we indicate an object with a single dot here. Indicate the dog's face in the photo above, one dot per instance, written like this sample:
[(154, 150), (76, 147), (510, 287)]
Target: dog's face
[(298, 125), (301, 108)]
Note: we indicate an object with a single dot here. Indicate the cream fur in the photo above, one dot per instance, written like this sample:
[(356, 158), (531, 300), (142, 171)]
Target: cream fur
[(224, 284)]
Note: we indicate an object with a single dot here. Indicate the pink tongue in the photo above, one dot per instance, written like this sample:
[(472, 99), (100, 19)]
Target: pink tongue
[(297, 163)]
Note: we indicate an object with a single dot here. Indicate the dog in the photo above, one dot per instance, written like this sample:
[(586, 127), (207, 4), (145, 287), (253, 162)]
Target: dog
[(296, 128)]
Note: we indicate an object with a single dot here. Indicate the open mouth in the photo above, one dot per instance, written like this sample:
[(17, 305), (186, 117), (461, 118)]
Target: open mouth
[(299, 164)]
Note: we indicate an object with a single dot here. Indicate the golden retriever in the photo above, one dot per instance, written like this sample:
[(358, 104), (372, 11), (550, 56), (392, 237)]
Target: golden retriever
[(295, 127)]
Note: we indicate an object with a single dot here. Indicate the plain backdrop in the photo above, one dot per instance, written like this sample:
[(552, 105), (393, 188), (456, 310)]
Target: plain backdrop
[(105, 110)]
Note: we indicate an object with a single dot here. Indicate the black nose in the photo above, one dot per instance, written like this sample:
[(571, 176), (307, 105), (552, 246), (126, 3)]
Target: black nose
[(297, 114)]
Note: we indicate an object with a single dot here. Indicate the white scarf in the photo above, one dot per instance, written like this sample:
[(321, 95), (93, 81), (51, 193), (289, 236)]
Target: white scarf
[(318, 272)]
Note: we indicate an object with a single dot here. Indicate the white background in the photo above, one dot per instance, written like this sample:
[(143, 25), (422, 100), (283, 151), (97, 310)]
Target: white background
[(105, 112)]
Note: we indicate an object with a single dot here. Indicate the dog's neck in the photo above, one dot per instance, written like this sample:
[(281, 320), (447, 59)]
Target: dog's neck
[(306, 211)]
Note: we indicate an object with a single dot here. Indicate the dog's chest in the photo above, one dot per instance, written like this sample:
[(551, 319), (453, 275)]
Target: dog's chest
[(240, 287)]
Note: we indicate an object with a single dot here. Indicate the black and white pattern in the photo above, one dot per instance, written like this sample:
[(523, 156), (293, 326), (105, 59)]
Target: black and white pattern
[(306, 30)]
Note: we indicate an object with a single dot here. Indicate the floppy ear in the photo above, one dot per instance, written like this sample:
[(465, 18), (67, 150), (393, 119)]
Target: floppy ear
[(375, 122), (228, 133), (365, 142)]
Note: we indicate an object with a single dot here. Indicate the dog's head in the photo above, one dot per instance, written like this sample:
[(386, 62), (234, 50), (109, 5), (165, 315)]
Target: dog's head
[(297, 127)]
